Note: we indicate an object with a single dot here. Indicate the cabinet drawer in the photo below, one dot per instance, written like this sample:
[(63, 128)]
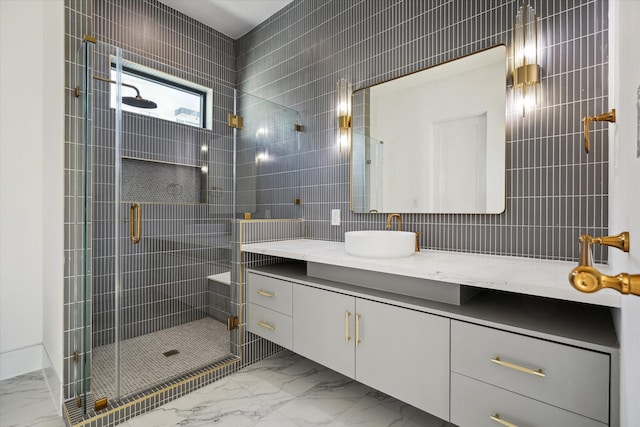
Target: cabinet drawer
[(474, 402), (271, 293), (270, 324), (574, 379)]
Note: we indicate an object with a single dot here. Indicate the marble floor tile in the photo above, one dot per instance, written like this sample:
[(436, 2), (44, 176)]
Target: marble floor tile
[(25, 401), (285, 390)]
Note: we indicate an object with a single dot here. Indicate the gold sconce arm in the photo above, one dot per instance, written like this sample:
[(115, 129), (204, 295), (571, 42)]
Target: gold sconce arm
[(606, 117), (588, 280)]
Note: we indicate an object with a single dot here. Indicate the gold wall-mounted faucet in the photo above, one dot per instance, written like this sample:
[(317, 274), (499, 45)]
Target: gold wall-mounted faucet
[(390, 218), (606, 117), (588, 279)]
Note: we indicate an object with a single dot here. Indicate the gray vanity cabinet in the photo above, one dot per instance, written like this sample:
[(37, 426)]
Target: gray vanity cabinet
[(518, 376), (487, 363), (404, 353), (377, 344), (322, 328)]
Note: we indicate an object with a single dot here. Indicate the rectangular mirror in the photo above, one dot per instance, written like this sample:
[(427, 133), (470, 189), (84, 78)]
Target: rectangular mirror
[(432, 141)]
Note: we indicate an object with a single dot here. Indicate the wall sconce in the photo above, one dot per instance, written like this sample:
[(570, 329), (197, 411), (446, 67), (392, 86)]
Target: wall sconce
[(343, 111), (525, 70)]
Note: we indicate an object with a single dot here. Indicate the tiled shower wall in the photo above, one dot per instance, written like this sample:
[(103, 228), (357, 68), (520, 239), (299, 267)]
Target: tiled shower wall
[(554, 191)]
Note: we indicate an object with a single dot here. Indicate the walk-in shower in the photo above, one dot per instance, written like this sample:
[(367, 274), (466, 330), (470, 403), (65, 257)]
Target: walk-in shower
[(161, 186), (156, 238)]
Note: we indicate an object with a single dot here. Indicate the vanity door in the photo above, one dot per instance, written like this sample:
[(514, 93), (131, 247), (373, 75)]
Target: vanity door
[(404, 353), (323, 328)]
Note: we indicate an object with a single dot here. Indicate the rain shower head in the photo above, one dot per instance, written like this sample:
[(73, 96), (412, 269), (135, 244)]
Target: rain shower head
[(138, 101), (134, 101)]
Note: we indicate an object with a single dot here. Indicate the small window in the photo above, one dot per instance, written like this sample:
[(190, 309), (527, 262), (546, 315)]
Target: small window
[(177, 100)]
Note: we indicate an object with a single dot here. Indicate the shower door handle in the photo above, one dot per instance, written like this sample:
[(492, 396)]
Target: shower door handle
[(135, 230)]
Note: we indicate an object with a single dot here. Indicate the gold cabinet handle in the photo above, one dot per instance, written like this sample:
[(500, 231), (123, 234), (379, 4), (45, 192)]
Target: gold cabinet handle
[(267, 326), (499, 420), (136, 210), (538, 373), (347, 315), (358, 317), (266, 294)]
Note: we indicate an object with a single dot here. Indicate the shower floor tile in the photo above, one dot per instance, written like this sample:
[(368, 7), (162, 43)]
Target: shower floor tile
[(143, 363)]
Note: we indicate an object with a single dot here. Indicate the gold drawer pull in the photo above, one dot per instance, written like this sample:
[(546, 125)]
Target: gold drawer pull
[(358, 317), (538, 373), (267, 326), (347, 315), (266, 294), (499, 420)]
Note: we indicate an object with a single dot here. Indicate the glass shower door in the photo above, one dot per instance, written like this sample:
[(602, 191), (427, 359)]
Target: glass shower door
[(162, 214)]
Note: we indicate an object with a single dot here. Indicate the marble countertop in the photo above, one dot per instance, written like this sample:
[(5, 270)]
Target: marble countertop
[(511, 274)]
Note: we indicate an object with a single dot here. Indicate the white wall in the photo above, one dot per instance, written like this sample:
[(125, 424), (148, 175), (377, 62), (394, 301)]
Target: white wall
[(624, 200), (31, 185), (53, 195)]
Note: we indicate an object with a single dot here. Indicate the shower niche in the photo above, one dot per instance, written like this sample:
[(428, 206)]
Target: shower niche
[(156, 182)]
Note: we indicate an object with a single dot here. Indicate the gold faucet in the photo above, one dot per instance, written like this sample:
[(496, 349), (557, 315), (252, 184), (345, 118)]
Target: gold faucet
[(398, 217), (588, 279)]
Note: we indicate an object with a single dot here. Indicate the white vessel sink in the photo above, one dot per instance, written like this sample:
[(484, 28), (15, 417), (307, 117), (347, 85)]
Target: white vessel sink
[(380, 243)]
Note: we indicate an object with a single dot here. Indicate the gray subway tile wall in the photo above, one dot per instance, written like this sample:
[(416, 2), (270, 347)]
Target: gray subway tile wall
[(555, 192)]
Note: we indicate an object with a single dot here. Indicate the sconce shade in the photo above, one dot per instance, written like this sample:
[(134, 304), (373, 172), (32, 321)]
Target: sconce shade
[(343, 112), (525, 69)]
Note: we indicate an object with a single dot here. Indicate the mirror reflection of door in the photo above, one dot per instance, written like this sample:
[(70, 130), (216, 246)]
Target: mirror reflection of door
[(458, 165)]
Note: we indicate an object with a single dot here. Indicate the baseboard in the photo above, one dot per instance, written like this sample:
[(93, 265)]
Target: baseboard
[(20, 361), (53, 381)]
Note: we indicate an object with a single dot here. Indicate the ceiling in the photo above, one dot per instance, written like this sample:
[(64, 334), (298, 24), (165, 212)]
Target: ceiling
[(234, 18)]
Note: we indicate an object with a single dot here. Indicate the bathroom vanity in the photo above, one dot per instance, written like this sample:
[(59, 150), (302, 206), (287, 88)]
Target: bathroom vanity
[(513, 344)]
